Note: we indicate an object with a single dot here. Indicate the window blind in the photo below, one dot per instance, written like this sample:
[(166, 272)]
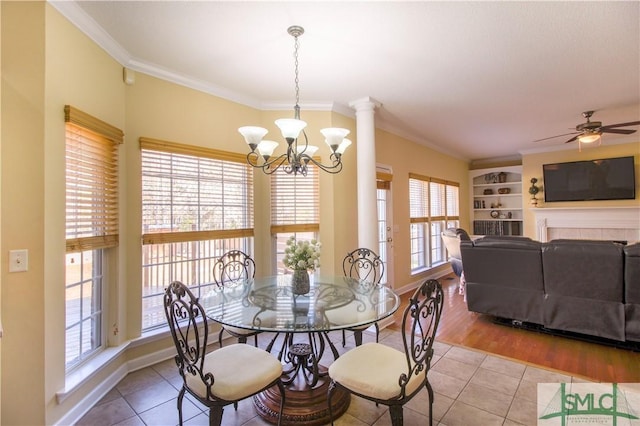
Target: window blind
[(432, 198), (453, 201), (194, 194), (91, 182), (295, 203), (383, 180)]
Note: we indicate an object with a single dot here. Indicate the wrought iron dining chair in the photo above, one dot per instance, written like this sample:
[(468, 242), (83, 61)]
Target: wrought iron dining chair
[(223, 376), (388, 376), (233, 268), (364, 264)]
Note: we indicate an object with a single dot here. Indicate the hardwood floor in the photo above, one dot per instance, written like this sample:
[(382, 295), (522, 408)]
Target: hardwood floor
[(589, 360)]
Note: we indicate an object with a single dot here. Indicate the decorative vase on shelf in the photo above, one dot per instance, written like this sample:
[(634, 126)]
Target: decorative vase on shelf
[(300, 281)]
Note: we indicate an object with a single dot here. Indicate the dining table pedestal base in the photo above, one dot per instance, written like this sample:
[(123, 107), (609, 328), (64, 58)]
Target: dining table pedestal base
[(303, 406)]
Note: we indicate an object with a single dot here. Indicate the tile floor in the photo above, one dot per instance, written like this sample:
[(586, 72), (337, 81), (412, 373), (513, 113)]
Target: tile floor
[(471, 388)]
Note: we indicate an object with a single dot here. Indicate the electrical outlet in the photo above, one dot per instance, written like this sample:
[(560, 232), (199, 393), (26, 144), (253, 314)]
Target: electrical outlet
[(18, 260)]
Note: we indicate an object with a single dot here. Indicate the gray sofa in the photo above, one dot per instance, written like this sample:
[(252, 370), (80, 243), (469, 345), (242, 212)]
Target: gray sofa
[(579, 286)]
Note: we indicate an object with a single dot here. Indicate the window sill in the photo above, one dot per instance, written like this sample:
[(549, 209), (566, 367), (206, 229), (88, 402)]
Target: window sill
[(81, 375), (419, 271), (90, 368)]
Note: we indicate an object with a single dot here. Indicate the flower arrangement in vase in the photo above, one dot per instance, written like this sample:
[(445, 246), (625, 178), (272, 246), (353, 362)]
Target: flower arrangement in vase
[(301, 257)]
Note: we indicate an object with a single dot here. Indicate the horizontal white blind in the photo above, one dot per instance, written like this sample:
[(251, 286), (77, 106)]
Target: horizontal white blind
[(453, 201), (418, 199), (91, 189), (295, 202), (437, 199), (432, 198), (189, 197)]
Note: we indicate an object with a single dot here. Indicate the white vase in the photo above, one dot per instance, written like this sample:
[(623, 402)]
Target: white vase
[(300, 281)]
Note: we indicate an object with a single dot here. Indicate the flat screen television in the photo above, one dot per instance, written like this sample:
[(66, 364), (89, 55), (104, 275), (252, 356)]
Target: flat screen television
[(603, 179)]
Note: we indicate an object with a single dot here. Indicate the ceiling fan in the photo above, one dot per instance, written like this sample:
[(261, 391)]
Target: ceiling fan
[(592, 130)]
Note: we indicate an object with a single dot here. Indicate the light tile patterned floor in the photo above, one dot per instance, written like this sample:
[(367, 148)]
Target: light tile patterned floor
[(471, 388)]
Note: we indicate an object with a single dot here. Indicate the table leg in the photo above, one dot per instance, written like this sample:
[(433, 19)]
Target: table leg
[(306, 385)]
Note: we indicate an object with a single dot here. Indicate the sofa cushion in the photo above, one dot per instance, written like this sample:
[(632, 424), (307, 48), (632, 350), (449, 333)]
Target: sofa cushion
[(504, 277), (585, 268), (584, 287)]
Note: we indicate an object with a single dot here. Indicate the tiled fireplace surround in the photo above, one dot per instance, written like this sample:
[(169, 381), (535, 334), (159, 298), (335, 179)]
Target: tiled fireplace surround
[(590, 223)]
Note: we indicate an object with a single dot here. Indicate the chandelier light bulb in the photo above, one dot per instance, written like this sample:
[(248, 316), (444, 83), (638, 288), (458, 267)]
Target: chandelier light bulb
[(253, 135), (334, 136), (266, 148), (290, 127), (343, 146)]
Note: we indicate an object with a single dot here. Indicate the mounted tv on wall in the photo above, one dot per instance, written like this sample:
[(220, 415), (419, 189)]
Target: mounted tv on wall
[(603, 179)]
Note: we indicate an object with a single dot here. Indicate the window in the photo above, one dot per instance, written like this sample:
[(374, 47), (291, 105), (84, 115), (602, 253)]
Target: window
[(197, 204), (295, 209), (91, 174), (433, 207)]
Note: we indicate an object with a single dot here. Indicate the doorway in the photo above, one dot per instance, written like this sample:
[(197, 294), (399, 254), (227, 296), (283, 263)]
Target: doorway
[(385, 219)]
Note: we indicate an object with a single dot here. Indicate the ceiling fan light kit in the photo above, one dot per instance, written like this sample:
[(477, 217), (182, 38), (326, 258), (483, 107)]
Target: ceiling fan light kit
[(589, 137), (298, 155), (592, 131)]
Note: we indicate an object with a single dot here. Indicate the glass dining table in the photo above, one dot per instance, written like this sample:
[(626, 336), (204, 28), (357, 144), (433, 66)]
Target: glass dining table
[(300, 324)]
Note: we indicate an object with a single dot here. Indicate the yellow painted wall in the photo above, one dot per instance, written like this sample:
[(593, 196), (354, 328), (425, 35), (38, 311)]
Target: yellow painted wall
[(23, 131), (47, 63), (532, 167), (81, 74), (408, 157)]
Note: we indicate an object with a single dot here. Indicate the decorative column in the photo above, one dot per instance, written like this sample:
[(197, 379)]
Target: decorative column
[(366, 168)]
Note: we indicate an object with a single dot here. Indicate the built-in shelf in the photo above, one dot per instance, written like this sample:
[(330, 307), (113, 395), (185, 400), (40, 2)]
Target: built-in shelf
[(496, 199)]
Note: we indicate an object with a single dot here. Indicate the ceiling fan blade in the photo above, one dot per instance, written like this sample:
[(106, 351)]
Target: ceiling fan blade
[(556, 136), (631, 123), (620, 131), (572, 139)]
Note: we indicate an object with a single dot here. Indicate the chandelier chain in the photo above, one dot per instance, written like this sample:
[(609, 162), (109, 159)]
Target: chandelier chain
[(295, 57)]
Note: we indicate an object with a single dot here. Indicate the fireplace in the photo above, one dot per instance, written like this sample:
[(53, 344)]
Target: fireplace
[(588, 223)]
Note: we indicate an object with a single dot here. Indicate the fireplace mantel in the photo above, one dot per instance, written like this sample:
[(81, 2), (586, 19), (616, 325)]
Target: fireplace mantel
[(602, 223)]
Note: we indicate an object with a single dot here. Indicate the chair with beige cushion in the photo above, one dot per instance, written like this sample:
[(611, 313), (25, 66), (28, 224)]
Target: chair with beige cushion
[(363, 264), (388, 376), (223, 376), (234, 268)]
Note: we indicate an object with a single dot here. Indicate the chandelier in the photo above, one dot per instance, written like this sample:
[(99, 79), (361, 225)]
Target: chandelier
[(299, 153)]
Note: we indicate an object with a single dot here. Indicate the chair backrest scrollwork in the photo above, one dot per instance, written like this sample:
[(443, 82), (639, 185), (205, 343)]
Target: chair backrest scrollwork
[(189, 329), (233, 267), (419, 324), (364, 264)]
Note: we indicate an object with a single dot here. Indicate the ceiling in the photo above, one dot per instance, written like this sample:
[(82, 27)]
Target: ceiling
[(476, 80)]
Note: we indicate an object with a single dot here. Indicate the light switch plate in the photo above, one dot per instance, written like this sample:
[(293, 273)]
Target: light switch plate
[(18, 260)]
